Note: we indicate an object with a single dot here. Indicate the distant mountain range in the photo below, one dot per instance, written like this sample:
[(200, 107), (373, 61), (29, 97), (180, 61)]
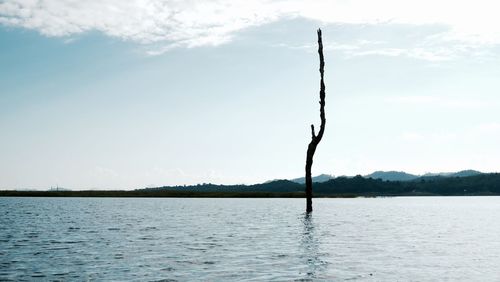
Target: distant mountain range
[(316, 179), (392, 176), (379, 183), (403, 176), (451, 184), (389, 176), (463, 173), (389, 183)]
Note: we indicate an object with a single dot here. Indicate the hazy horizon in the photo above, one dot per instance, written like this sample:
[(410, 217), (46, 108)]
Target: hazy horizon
[(57, 187), (114, 95)]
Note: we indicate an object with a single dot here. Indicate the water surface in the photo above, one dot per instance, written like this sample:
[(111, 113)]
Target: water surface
[(378, 239)]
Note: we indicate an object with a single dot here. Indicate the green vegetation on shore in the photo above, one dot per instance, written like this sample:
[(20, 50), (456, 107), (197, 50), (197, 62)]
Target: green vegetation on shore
[(148, 194), (482, 184)]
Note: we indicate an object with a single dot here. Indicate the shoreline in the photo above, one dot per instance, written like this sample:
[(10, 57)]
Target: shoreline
[(198, 194)]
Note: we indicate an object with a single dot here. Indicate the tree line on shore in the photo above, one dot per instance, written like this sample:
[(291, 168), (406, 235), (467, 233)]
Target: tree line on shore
[(482, 184)]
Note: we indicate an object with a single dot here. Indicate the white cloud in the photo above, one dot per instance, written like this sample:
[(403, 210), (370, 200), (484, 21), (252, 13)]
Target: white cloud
[(474, 21), (187, 23), (193, 23)]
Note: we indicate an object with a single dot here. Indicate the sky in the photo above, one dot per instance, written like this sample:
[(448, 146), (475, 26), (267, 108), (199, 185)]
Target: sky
[(109, 94)]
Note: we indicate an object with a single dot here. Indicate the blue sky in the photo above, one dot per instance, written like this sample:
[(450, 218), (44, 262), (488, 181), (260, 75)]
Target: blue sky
[(112, 95)]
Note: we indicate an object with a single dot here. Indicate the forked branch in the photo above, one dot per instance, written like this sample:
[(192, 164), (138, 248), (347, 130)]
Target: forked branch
[(315, 139)]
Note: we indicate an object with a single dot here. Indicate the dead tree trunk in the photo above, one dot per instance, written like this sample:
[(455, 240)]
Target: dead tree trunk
[(315, 139)]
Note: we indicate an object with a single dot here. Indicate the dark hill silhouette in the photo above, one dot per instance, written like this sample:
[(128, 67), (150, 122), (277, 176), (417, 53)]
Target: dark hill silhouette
[(479, 184), (403, 176), (272, 186), (315, 179), (392, 175), (463, 173)]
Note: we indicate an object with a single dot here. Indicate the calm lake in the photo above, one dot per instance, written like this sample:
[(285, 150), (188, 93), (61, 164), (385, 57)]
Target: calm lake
[(373, 239)]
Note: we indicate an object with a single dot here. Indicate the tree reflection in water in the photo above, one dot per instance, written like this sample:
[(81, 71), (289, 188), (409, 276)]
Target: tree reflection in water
[(310, 249)]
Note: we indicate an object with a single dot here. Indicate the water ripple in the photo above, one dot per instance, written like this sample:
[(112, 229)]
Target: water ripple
[(387, 239)]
